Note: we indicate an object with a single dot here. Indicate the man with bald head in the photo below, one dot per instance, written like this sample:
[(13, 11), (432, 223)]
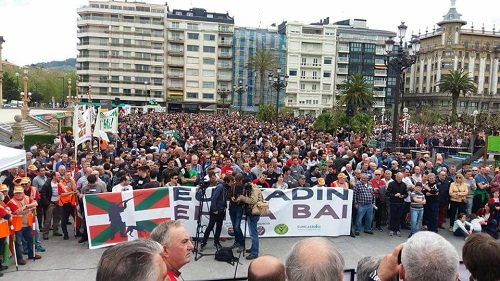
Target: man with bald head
[(314, 259), (266, 268), (396, 192)]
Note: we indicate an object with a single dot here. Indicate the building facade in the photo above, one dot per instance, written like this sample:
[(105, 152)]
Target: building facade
[(199, 59), (121, 51), (452, 47), (246, 43), (362, 50), (310, 59)]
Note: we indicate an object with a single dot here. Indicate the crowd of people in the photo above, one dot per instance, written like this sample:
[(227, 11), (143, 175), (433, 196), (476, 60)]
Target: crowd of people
[(237, 155), (425, 256)]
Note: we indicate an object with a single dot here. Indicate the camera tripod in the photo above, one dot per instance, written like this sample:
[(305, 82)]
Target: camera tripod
[(201, 196)]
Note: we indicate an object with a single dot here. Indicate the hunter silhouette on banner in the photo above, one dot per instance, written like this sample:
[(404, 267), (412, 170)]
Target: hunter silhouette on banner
[(131, 214)]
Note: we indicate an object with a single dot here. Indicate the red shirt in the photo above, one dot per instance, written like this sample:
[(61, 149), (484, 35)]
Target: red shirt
[(173, 276), (264, 184), (289, 162), (376, 185), (225, 170)]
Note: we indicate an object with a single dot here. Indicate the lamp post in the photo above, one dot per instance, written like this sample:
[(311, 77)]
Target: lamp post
[(77, 90), (89, 99), (146, 92), (383, 116), (69, 97), (278, 81), (399, 63), (26, 97), (240, 89), (1, 72), (475, 113), (223, 93)]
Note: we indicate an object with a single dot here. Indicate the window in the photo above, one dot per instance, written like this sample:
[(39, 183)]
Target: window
[(127, 91), (175, 24), (103, 79), (208, 49), (192, 72), (194, 60), (302, 86), (327, 74), (103, 54), (115, 78), (356, 47), (292, 72), (314, 87), (209, 61), (210, 73), (115, 91), (208, 37), (327, 87), (127, 42), (327, 60), (115, 54), (127, 78), (192, 48), (208, 85), (192, 26), (304, 61), (208, 96), (127, 54), (302, 74), (315, 61), (193, 36), (192, 83), (191, 95)]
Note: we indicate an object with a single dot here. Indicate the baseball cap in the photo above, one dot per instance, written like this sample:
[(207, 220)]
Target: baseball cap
[(18, 189), (32, 167), (341, 175), (321, 181), (25, 180), (3, 187)]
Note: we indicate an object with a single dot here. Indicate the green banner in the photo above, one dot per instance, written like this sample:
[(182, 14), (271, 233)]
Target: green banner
[(493, 144)]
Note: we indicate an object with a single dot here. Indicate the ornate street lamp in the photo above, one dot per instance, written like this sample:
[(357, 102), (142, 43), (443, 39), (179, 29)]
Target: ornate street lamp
[(240, 89), (399, 63), (69, 97), (26, 97), (1, 72), (223, 93), (278, 81), (89, 100)]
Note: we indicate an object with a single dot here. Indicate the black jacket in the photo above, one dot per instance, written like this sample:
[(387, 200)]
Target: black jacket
[(396, 187), (46, 194), (218, 201)]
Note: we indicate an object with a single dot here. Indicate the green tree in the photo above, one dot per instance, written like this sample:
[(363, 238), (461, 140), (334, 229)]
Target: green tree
[(10, 90), (456, 82), (324, 122), (362, 123), (266, 113), (357, 92), (261, 62)]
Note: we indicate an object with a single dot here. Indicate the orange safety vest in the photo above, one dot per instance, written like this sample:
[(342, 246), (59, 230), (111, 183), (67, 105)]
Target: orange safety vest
[(4, 224), (68, 198), (17, 220)]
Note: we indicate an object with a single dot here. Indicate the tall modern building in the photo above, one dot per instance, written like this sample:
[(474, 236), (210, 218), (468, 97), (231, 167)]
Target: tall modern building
[(199, 59), (246, 43), (311, 54), (450, 46), (361, 50), (121, 51)]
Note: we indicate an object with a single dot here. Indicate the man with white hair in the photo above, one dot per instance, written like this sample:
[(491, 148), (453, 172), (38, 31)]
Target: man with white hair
[(314, 258), (425, 256)]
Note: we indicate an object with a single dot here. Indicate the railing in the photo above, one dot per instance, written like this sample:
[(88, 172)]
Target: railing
[(342, 59), (380, 72), (39, 123), (342, 70)]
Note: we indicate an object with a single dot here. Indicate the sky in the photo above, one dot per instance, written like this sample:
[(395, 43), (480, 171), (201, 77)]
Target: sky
[(45, 30)]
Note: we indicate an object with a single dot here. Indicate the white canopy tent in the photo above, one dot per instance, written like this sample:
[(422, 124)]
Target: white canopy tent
[(11, 158)]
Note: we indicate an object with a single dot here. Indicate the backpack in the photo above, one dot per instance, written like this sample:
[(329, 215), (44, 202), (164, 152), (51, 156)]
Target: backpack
[(261, 207), (225, 254)]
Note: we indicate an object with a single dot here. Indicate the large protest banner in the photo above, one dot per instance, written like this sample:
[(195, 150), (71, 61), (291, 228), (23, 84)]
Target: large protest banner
[(294, 212)]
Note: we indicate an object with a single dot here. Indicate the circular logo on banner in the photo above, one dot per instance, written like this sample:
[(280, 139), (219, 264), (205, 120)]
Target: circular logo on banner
[(261, 230), (230, 231), (281, 229)]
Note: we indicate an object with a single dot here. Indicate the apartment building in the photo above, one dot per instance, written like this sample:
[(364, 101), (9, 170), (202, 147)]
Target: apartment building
[(310, 59), (121, 51), (450, 46), (199, 59), (247, 42), (362, 50)]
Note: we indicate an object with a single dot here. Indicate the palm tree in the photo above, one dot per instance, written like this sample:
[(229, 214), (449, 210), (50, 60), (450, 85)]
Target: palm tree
[(456, 82), (262, 61), (357, 92)]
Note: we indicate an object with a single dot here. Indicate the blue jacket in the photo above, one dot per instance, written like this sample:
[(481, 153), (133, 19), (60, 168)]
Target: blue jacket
[(218, 200)]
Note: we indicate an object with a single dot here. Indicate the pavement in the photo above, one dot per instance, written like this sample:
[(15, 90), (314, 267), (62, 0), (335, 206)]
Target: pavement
[(68, 260)]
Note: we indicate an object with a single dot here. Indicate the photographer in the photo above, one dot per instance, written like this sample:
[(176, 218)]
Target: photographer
[(236, 211), (218, 207), (250, 197)]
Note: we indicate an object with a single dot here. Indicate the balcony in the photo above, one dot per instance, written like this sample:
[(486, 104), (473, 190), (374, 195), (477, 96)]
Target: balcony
[(380, 72), (379, 83), (312, 65), (379, 61), (224, 78), (379, 93), (175, 75), (342, 70), (224, 66), (176, 52), (175, 63), (176, 39), (225, 43), (225, 29), (175, 87), (344, 49), (341, 79), (343, 59), (225, 55), (310, 78)]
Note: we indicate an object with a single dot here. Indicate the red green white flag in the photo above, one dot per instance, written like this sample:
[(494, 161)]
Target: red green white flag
[(124, 216)]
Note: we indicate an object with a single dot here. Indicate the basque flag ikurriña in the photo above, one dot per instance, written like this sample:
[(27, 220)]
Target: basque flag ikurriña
[(124, 216)]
